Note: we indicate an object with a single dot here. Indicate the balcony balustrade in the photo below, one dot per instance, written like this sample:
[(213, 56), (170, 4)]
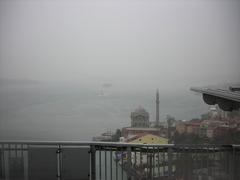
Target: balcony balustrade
[(117, 161)]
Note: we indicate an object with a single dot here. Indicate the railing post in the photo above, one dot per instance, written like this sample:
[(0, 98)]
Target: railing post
[(233, 163), (129, 159), (150, 166), (2, 161), (170, 153), (7, 162), (25, 159), (93, 161), (59, 162)]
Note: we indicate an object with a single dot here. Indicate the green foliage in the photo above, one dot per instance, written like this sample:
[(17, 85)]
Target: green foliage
[(204, 116), (232, 137), (170, 120), (186, 138), (117, 135)]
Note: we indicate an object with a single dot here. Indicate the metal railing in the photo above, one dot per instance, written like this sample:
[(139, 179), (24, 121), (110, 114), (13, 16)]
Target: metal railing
[(117, 161)]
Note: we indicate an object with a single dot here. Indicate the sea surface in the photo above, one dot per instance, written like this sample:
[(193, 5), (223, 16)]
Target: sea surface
[(77, 112)]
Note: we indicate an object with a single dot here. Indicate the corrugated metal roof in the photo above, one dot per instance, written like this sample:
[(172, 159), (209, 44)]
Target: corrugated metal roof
[(219, 92)]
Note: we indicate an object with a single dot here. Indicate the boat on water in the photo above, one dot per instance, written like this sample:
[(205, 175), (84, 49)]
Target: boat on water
[(102, 94)]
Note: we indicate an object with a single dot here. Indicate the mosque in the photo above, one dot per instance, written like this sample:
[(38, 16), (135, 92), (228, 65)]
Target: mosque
[(140, 122), (140, 118)]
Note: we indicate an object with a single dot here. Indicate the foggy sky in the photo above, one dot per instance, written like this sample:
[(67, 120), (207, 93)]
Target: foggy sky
[(136, 43)]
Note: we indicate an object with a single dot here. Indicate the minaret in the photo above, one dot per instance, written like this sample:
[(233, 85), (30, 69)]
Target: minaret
[(157, 109)]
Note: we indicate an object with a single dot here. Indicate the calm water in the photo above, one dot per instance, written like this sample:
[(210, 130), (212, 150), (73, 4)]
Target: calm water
[(65, 112)]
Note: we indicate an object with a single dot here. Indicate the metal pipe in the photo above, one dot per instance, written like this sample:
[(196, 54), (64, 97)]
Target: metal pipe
[(93, 164), (122, 163), (111, 164), (105, 164), (100, 163), (116, 161), (158, 162)]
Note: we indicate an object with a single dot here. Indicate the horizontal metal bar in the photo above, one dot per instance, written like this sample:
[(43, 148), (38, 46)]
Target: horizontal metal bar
[(84, 143), (112, 145)]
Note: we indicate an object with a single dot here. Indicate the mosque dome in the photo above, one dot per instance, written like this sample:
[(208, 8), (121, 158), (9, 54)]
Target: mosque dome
[(140, 111)]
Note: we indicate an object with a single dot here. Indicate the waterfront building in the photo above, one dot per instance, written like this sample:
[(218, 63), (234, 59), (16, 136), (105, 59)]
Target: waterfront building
[(181, 127), (193, 127), (140, 118), (140, 123)]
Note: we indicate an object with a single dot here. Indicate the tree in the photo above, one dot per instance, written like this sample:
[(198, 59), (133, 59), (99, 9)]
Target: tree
[(117, 135), (170, 121), (204, 116), (186, 138)]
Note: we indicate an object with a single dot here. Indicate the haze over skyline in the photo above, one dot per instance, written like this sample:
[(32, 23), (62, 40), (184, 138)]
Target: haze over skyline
[(74, 47), (134, 43)]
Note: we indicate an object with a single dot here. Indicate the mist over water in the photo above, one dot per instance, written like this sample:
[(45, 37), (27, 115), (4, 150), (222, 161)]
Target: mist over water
[(55, 56), (73, 112)]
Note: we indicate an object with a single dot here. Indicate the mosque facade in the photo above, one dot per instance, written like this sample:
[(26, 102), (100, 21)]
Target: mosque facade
[(140, 118)]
